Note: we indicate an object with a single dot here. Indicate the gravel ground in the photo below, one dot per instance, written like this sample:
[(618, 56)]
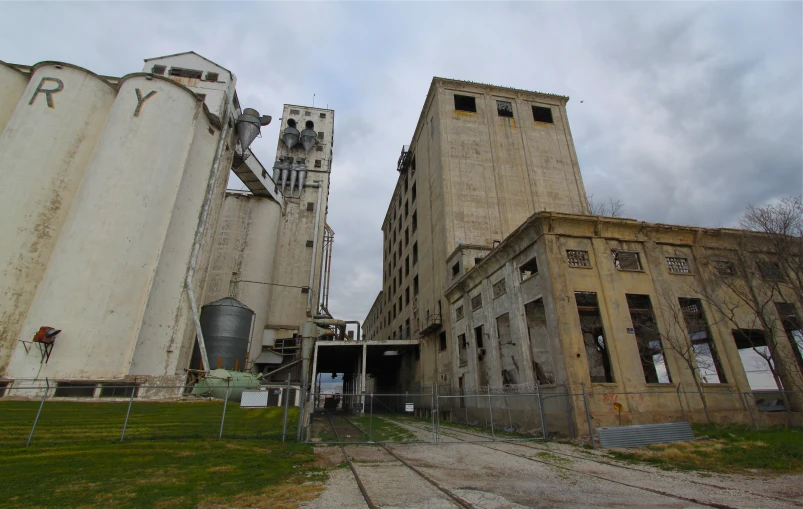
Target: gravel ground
[(487, 478)]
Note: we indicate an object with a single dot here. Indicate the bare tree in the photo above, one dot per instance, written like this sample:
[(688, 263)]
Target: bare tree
[(611, 208)]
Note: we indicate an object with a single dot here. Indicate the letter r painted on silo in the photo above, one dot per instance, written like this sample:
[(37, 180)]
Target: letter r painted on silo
[(141, 100), (47, 91)]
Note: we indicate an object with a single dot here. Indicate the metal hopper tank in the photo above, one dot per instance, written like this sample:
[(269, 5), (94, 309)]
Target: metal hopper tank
[(226, 324)]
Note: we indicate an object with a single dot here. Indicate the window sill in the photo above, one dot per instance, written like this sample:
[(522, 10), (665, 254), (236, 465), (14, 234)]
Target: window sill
[(604, 384), (632, 270), (579, 267), (681, 273)]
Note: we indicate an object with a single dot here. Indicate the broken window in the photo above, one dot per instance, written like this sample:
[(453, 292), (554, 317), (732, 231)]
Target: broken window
[(648, 340), (476, 302), (407, 265), (442, 341), (413, 193), (725, 267), (322, 115), (309, 124), (185, 73), (415, 285), (211, 76), (677, 265), (291, 123), (542, 114), (770, 270), (317, 163), (406, 237), (465, 103), (118, 390), (528, 269), (504, 109), (599, 362), (463, 351), (756, 358), (626, 260), (794, 332), (705, 354), (415, 253), (478, 337), (307, 114), (539, 341), (158, 69), (407, 296), (455, 269), (295, 112), (415, 221), (499, 288), (320, 135), (577, 258), (74, 390), (458, 313)]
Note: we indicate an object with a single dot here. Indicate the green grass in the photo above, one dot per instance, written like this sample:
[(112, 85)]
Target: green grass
[(730, 449), (171, 457), (70, 422), (383, 430)]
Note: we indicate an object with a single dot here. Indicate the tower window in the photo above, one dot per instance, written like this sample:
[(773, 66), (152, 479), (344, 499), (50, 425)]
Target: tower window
[(504, 109), (307, 114), (291, 123), (320, 135), (158, 69), (465, 103), (541, 114), (294, 112), (309, 124), (211, 76), (185, 73), (317, 163), (323, 115)]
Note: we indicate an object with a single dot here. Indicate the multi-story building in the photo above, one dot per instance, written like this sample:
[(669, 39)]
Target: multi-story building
[(481, 161)]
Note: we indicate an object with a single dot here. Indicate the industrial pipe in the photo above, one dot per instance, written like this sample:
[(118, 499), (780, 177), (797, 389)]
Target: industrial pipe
[(314, 250), (199, 233)]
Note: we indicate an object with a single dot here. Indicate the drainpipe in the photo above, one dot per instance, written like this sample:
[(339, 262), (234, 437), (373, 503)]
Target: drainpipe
[(199, 233), (314, 250)]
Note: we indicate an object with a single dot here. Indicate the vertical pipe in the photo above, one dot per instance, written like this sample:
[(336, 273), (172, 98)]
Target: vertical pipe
[(569, 409), (225, 404), (38, 413), (286, 406), (364, 372), (432, 413), (437, 414), (314, 249), (491, 410), (315, 374), (544, 430), (128, 412), (371, 420), (588, 414)]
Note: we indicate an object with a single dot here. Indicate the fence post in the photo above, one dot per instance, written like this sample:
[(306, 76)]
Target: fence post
[(225, 404), (432, 412), (544, 430), (588, 414), (437, 414), (371, 420), (750, 411), (491, 411), (569, 408), (286, 406), (128, 412), (682, 410), (47, 389)]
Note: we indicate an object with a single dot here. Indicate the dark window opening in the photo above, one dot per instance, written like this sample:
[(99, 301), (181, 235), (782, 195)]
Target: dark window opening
[(415, 221), (625, 260), (413, 192), (463, 350), (709, 367), (320, 135), (415, 285), (415, 253), (455, 269), (74, 390), (599, 361), (542, 114), (504, 109), (317, 163), (770, 270), (442, 340), (158, 69), (648, 339), (118, 390), (305, 289), (478, 259), (3, 388), (310, 243), (407, 296), (792, 328), (465, 103), (295, 112), (756, 359), (309, 124), (322, 115), (211, 76), (458, 313), (528, 269), (310, 206), (291, 123), (478, 337), (407, 265), (406, 237), (307, 114), (499, 288), (319, 149), (725, 267), (185, 73), (476, 302)]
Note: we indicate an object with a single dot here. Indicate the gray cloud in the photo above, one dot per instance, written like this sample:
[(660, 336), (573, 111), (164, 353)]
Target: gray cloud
[(689, 113)]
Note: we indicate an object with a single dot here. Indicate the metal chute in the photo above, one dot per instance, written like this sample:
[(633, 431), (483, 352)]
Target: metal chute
[(290, 137), (278, 166), (308, 139), (248, 126)]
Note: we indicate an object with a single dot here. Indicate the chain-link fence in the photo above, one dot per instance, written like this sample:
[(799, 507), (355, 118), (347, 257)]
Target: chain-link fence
[(62, 413)]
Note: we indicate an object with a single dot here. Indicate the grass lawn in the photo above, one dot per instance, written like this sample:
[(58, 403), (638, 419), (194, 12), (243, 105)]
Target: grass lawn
[(171, 457), (383, 430), (731, 449)]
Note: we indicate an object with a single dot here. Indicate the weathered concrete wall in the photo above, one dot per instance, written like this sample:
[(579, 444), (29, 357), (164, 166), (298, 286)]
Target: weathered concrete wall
[(12, 85), (44, 151), (103, 266)]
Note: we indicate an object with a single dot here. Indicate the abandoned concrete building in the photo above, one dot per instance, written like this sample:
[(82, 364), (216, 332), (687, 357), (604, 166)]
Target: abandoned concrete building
[(121, 233), (494, 266)]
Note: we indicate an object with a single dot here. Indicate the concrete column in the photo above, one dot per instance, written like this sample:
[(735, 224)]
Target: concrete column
[(364, 373)]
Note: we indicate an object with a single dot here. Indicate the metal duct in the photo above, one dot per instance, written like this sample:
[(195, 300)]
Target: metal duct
[(226, 325), (293, 176), (302, 173), (308, 139), (278, 167), (290, 137), (248, 126), (285, 171)]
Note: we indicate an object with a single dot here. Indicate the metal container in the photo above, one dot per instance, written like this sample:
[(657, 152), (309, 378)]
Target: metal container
[(226, 324), (218, 381)]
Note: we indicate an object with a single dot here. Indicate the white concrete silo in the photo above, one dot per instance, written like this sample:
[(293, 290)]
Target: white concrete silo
[(44, 151), (12, 85), (97, 283)]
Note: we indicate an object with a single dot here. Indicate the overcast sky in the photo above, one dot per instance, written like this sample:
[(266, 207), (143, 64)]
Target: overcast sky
[(690, 111)]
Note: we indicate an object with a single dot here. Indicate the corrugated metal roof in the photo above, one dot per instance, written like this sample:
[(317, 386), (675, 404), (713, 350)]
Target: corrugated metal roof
[(645, 434)]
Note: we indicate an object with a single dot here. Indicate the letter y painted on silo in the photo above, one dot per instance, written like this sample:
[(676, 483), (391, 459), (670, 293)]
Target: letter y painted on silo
[(141, 100), (47, 91)]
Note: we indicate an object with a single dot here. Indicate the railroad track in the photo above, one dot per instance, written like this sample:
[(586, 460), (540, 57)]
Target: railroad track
[(602, 462), (366, 496)]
